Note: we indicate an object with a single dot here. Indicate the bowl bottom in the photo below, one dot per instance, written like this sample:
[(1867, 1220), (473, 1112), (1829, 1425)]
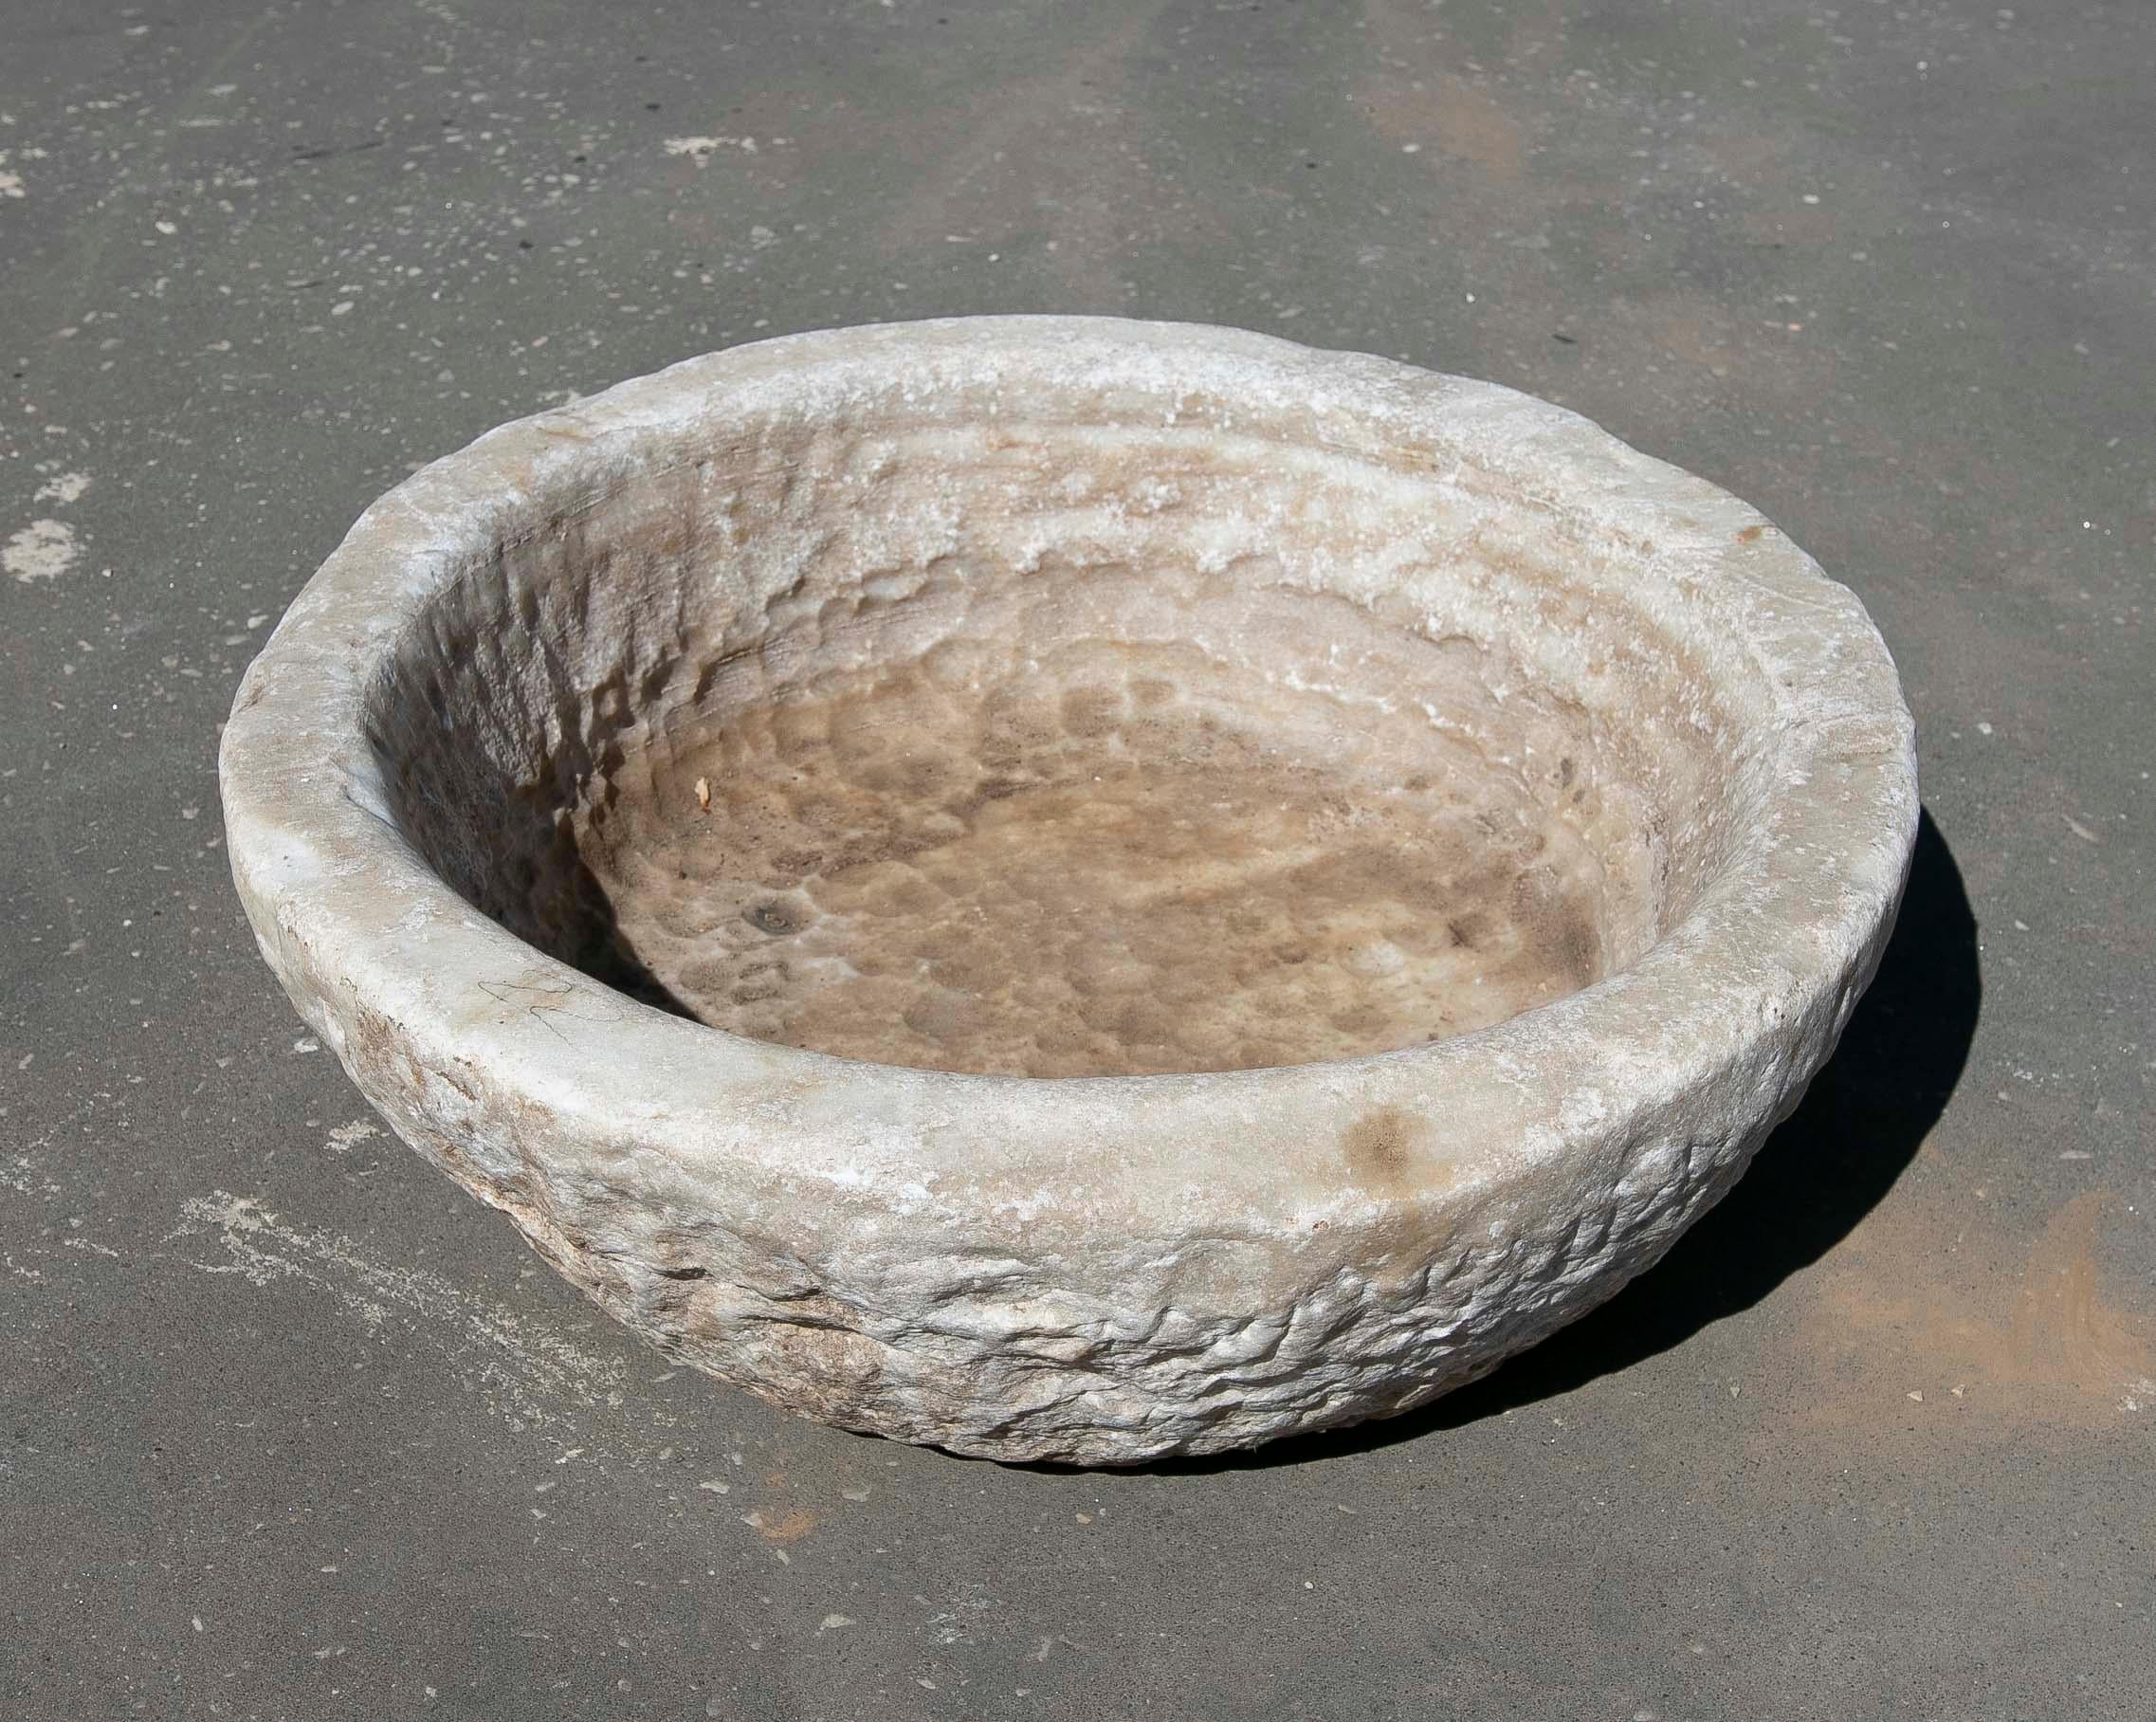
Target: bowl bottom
[(1116, 861)]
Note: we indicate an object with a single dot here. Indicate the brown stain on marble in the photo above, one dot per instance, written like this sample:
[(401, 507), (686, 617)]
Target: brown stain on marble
[(1380, 1147)]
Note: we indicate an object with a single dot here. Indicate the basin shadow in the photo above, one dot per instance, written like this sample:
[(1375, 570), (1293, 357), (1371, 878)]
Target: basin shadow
[(1828, 1166)]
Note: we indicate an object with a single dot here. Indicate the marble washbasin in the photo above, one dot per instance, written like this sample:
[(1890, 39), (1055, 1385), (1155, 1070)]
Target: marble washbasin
[(1075, 889)]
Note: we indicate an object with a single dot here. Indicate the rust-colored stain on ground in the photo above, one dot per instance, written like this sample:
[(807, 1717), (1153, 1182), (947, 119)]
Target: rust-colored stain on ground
[(1943, 1318), (1466, 123), (1471, 126), (1692, 327), (2064, 1333), (790, 1528), (1067, 113)]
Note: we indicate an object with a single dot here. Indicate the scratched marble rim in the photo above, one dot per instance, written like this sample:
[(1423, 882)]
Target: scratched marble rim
[(1110, 1269)]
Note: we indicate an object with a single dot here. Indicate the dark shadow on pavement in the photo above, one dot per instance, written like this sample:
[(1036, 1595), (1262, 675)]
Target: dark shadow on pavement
[(1828, 1166)]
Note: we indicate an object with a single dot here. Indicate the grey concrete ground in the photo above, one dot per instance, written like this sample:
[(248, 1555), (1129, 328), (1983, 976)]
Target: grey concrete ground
[(290, 1428)]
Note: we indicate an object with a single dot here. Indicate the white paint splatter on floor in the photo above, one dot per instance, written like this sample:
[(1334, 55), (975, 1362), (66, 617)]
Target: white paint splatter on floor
[(44, 550), (64, 488), (703, 148), (530, 1377), (24, 1175), (347, 1136)]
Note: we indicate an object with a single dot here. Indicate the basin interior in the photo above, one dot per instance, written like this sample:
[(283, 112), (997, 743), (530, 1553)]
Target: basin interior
[(1060, 742)]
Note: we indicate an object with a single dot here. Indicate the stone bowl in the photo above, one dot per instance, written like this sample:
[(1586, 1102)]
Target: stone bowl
[(1075, 889)]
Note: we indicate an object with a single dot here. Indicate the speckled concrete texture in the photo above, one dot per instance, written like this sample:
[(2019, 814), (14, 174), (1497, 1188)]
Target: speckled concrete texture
[(283, 1431)]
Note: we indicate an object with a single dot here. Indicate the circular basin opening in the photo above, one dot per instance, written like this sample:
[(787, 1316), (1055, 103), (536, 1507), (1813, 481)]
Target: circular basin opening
[(1060, 742)]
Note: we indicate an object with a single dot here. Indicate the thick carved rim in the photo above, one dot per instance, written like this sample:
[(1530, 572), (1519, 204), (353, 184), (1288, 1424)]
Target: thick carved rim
[(362, 930)]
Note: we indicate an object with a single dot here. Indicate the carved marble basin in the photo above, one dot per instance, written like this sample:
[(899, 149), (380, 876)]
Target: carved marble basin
[(1075, 889)]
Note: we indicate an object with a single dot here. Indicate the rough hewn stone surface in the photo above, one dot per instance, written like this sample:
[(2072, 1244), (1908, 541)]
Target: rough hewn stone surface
[(752, 690)]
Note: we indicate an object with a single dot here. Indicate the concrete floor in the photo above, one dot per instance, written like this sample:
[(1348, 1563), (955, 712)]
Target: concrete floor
[(290, 1428)]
